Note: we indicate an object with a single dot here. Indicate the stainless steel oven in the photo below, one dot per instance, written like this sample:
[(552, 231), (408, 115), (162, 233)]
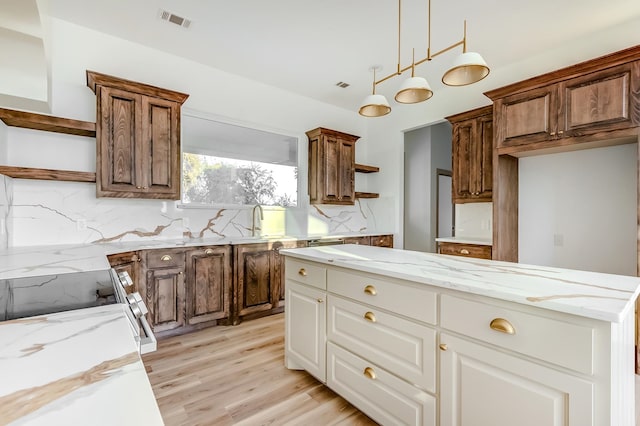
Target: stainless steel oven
[(46, 294)]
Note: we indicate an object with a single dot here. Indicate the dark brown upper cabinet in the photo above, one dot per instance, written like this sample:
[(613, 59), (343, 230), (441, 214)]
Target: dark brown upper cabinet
[(583, 108), (331, 166), (138, 139), (472, 155)]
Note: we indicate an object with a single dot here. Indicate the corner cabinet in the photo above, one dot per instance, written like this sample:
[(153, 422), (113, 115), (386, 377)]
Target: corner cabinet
[(472, 155), (331, 167), (138, 139)]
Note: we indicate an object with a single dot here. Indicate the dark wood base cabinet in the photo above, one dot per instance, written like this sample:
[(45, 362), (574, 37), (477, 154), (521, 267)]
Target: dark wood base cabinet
[(259, 279)]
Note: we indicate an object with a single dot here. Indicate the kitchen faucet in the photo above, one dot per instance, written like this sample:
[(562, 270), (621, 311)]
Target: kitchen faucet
[(253, 218)]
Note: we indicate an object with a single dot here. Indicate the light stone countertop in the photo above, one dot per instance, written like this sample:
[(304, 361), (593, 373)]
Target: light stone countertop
[(588, 294), (466, 240), (17, 262), (74, 368)]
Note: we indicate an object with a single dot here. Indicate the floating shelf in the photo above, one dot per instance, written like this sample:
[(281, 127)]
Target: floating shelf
[(367, 195), (30, 120), (361, 168), (47, 174)]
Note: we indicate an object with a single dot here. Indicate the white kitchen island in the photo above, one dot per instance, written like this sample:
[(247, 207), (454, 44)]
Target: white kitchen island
[(420, 338)]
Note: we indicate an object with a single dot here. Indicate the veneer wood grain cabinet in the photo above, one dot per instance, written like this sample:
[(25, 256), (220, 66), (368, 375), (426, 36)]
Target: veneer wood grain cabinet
[(163, 271), (472, 155), (331, 166), (258, 278), (138, 139), (185, 289), (382, 241), (578, 105), (478, 251), (208, 284)]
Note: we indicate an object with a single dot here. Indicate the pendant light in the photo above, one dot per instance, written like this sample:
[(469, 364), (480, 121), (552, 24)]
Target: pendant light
[(374, 105), (414, 89), (468, 68)]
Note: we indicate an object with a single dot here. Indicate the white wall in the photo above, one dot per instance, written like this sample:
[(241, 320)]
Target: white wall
[(578, 210)]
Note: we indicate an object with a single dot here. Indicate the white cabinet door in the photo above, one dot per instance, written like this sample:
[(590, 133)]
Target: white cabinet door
[(483, 386), (305, 329)]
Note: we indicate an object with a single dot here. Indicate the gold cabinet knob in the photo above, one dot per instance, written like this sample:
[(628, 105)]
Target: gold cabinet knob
[(208, 252), (138, 187), (464, 251), (370, 290), (320, 300), (560, 132), (302, 272), (443, 346), (180, 273), (166, 258), (370, 316), (552, 133), (368, 372), (502, 325)]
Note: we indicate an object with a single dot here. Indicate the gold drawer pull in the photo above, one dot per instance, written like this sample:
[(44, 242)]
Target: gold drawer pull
[(443, 346), (370, 316), (302, 272), (502, 325), (320, 300), (165, 258), (368, 372), (464, 251), (371, 290), (208, 252)]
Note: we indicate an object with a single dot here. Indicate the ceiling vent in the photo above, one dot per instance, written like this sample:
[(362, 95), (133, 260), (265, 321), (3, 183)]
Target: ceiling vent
[(342, 84), (174, 19)]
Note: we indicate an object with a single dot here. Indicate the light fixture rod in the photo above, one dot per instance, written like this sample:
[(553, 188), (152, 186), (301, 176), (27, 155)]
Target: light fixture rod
[(399, 23)]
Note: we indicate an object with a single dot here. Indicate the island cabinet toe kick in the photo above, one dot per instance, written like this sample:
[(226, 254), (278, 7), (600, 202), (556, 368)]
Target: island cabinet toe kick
[(408, 353)]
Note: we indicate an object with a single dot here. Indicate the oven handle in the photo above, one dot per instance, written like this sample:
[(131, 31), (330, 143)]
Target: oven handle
[(149, 343)]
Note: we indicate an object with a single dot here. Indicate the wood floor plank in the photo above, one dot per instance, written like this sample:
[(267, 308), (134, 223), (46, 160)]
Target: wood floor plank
[(235, 375)]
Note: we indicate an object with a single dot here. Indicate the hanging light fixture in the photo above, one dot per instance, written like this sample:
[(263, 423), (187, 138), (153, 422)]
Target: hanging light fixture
[(374, 105), (468, 68)]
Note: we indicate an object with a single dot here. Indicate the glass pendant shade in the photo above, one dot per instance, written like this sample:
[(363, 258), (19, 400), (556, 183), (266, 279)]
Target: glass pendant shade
[(414, 90), (374, 106), (468, 68)]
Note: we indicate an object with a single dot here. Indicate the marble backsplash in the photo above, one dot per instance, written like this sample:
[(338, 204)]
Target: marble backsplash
[(52, 213), (6, 201)]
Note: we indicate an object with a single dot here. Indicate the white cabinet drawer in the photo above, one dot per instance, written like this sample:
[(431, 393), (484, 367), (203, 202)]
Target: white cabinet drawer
[(401, 297), (405, 348), (559, 342), (380, 395), (305, 272)]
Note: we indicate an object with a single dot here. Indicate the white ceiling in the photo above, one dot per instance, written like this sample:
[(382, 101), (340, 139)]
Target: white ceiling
[(307, 46)]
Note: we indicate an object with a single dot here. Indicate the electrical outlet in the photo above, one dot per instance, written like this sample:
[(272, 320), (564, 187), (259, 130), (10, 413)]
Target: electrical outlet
[(558, 240), (81, 224)]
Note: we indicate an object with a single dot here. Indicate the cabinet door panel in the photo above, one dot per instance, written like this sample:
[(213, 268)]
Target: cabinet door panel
[(526, 117), (331, 166), (165, 295), (599, 101), (208, 286), (485, 172), (347, 170), (117, 152), (255, 279), (161, 133), (481, 386), (462, 155), (305, 323)]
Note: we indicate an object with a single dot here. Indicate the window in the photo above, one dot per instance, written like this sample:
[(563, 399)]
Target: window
[(227, 164)]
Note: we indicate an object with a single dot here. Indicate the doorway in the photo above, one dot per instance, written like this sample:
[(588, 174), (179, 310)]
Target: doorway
[(445, 211)]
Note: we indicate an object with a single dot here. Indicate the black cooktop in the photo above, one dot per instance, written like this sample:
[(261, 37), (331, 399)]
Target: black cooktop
[(29, 296)]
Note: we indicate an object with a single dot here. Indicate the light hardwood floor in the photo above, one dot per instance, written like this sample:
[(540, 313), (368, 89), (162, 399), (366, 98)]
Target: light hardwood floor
[(236, 376)]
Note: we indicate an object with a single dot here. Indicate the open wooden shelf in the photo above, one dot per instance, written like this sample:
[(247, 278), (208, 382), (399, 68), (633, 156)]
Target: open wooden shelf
[(31, 120), (47, 174), (361, 168), (367, 195)]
